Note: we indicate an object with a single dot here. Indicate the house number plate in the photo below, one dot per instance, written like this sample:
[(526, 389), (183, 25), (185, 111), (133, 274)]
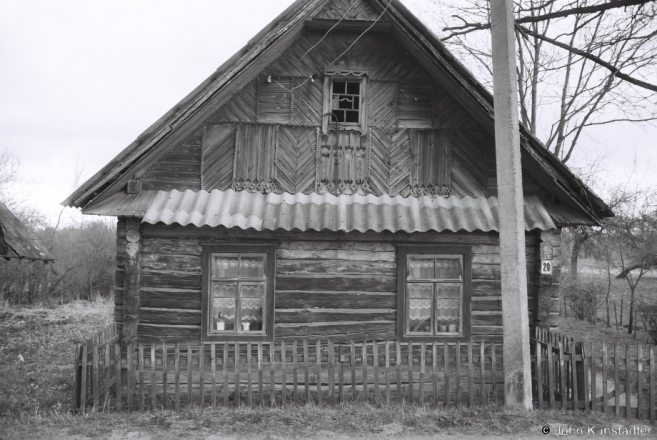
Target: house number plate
[(546, 267)]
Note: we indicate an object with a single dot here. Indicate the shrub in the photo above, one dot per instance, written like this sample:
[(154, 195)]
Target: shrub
[(648, 311), (583, 299)]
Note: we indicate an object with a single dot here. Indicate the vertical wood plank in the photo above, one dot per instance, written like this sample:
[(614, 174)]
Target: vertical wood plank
[(551, 382), (410, 372), (375, 368), (295, 371), (594, 387), (236, 368), (201, 375), (366, 390), (422, 372), (213, 360), (585, 364), (272, 369), (400, 396), (341, 398), (318, 354), (493, 371), (539, 375), (331, 372), (131, 375), (562, 373), (165, 381), (604, 377), (482, 380), (83, 378), (190, 362), (446, 371), (283, 373), (573, 370), (653, 372), (94, 371), (224, 371), (153, 379), (249, 391), (118, 389), (434, 372), (470, 377), (639, 381), (305, 371), (177, 376), (354, 392), (458, 373), (106, 365), (628, 383), (616, 379), (141, 377)]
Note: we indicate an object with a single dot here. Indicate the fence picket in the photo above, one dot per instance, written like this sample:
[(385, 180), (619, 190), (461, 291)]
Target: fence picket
[(446, 368), (236, 369), (305, 371), (550, 373), (616, 380), (225, 371), (585, 364), (594, 372), (653, 370), (249, 391), (213, 360), (177, 376), (83, 385), (628, 383), (434, 373), (272, 370), (410, 372), (318, 356), (365, 379), (331, 373), (190, 361), (153, 380), (573, 370), (482, 380), (95, 379), (201, 375), (354, 393), (639, 381), (131, 375), (470, 377), (458, 373), (422, 367), (295, 372), (141, 377), (400, 397), (165, 380), (388, 372), (340, 376), (283, 371), (118, 390), (375, 368), (107, 370), (562, 375), (604, 377), (539, 372)]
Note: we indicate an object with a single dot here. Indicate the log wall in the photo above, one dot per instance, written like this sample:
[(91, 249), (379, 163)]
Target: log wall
[(328, 285)]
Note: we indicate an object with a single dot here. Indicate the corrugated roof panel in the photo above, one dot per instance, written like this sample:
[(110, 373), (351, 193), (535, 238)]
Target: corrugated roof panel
[(16, 241), (335, 213)]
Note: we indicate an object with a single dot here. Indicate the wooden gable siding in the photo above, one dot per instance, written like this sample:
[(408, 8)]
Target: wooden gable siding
[(337, 285), (295, 159), (219, 157), (350, 10), (179, 168)]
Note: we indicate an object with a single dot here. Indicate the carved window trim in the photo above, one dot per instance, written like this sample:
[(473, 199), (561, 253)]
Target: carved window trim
[(263, 250), (349, 76), (403, 254)]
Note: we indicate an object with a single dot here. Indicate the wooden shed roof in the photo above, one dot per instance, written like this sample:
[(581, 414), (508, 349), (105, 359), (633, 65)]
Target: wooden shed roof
[(16, 241), (276, 37)]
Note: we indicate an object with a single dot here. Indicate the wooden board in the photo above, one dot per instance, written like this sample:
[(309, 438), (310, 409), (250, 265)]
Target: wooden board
[(218, 157)]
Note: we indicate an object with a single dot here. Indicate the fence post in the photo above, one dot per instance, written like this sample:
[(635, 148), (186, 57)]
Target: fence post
[(118, 387), (639, 380)]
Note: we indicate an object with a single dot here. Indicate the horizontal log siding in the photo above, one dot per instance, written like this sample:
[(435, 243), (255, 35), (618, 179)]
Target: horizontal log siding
[(337, 285), (119, 273)]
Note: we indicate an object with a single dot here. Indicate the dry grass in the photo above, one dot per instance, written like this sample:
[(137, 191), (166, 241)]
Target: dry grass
[(351, 421), (37, 352)]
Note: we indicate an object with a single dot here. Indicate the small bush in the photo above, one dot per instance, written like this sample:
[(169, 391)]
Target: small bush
[(583, 300), (648, 311)]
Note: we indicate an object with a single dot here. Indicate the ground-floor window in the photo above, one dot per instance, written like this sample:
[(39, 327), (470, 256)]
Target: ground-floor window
[(238, 290), (434, 292)]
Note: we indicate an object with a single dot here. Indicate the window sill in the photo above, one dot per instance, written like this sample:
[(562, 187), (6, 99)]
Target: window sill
[(444, 337), (236, 338)]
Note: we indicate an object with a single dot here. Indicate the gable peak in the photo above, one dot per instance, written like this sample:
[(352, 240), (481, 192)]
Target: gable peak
[(363, 10)]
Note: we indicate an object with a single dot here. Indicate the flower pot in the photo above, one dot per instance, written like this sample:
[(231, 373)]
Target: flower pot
[(221, 325), (452, 328), (443, 328), (246, 326)]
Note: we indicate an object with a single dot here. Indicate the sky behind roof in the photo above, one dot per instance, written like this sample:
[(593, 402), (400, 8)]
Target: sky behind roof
[(80, 80)]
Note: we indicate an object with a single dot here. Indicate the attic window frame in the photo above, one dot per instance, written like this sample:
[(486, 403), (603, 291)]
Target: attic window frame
[(349, 76)]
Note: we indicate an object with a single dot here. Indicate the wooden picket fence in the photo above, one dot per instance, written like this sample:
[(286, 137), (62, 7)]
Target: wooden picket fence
[(577, 376), (159, 376)]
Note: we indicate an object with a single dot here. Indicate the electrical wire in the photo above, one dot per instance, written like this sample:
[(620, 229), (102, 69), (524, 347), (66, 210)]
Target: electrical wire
[(327, 32)]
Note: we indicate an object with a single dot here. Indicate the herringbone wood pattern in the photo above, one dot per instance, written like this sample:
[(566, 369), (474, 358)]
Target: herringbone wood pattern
[(382, 104), (242, 108), (358, 10), (295, 159), (307, 109), (218, 156), (390, 160)]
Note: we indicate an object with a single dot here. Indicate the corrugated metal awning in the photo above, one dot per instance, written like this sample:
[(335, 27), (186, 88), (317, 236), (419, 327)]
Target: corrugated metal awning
[(16, 241), (335, 213)]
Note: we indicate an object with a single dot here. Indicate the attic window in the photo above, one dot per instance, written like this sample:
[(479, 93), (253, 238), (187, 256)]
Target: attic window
[(345, 101)]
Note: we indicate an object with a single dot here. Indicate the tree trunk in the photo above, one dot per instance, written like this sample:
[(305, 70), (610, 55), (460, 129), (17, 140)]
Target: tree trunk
[(577, 243), (631, 323)]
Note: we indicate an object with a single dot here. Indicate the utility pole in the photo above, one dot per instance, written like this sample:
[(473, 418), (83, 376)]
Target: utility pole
[(517, 374)]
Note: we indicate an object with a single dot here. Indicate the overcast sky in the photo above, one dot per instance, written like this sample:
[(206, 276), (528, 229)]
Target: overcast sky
[(81, 79)]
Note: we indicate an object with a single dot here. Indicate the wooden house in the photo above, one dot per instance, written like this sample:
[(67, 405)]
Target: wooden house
[(334, 179), (17, 242)]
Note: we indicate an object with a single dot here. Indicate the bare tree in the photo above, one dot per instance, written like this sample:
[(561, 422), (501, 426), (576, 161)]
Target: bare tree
[(581, 63)]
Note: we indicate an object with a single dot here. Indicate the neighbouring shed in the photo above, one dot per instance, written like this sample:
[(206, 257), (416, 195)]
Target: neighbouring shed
[(17, 242)]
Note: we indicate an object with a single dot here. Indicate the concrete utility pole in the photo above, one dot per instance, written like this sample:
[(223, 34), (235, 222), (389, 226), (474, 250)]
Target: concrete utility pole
[(517, 373)]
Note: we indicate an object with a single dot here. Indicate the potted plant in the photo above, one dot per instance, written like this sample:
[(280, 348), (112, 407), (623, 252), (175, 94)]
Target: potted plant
[(221, 324)]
